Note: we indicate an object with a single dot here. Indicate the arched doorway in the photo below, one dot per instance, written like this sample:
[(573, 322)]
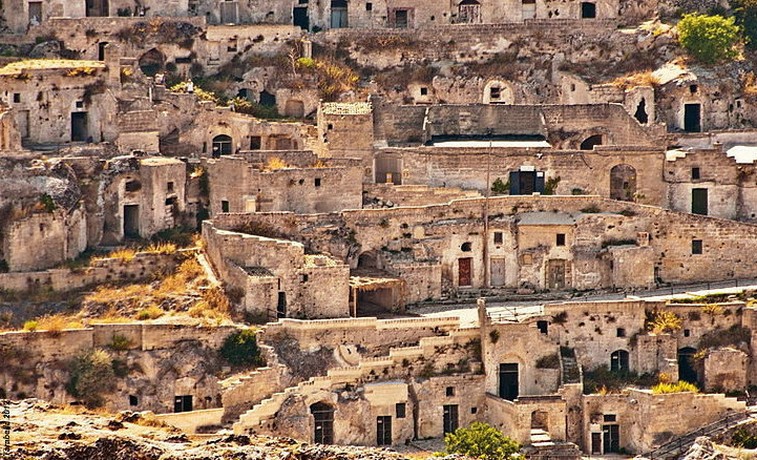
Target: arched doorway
[(152, 62), (623, 182), (469, 11), (686, 369), (368, 259), (590, 142), (619, 361), (221, 145), (540, 420), (323, 416)]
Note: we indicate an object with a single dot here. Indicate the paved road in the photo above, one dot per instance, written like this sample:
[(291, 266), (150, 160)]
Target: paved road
[(519, 309)]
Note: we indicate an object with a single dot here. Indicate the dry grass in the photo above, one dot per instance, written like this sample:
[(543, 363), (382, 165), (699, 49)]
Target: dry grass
[(16, 68), (150, 312), (125, 254), (274, 164), (636, 79), (161, 248), (53, 323), (749, 85)]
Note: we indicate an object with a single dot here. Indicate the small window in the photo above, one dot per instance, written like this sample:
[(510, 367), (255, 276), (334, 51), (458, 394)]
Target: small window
[(255, 142), (588, 10), (133, 400), (317, 181), (16, 97), (687, 332), (369, 6), (696, 246), (495, 92), (620, 332), (610, 418), (133, 186), (401, 410), (543, 326), (498, 237), (466, 247), (695, 173), (560, 239), (330, 126), (450, 391), (169, 187), (693, 89), (474, 410), (424, 91), (224, 206), (305, 278), (79, 104)]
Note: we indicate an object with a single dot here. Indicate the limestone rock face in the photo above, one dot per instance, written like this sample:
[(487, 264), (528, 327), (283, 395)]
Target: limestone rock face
[(705, 449)]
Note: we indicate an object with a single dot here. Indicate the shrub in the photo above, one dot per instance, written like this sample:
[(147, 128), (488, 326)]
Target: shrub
[(551, 186), (744, 439), (241, 349), (708, 38), (275, 163), (548, 362), (500, 188), (31, 325), (678, 387), (151, 312), (663, 322), (91, 375), (120, 342), (483, 441), (746, 17)]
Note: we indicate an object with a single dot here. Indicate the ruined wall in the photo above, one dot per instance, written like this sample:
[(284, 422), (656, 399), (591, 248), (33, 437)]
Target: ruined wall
[(10, 138)]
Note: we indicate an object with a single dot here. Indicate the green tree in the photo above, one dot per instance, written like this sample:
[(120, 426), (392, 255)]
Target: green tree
[(91, 374), (709, 38), (241, 349), (483, 441), (500, 188), (746, 17)]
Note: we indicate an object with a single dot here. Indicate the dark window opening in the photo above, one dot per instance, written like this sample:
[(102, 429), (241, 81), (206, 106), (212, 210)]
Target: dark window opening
[(495, 92), (693, 89), (133, 400), (170, 187), (255, 143), (267, 99), (449, 391), (369, 6), (16, 97), (692, 118), (224, 206), (543, 326), (610, 418), (588, 10), (424, 91), (79, 126), (305, 278), (401, 409), (171, 201), (590, 142), (687, 332), (401, 19), (695, 173), (641, 112), (474, 410), (317, 181), (131, 221), (466, 247), (560, 239), (498, 237), (696, 247), (620, 332), (300, 17), (133, 186)]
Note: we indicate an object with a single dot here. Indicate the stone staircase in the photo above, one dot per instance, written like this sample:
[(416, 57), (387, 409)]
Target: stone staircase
[(369, 369)]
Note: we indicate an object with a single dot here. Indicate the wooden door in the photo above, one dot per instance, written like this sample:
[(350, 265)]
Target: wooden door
[(464, 271), (498, 272), (556, 274)]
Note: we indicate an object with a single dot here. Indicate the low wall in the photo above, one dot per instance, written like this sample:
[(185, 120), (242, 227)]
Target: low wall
[(101, 271), (189, 422)]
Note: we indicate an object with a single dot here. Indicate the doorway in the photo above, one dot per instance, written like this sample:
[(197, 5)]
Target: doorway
[(228, 10), (79, 126), (182, 403), (300, 17), (498, 271), (450, 418), (556, 274), (384, 430), (699, 201), (281, 305), (131, 221), (469, 11), (401, 19), (540, 420), (96, 8), (623, 182), (101, 51), (388, 169), (611, 438), (686, 370), (221, 145), (508, 381), (619, 361), (338, 14), (464, 271), (692, 118), (323, 416), (35, 12)]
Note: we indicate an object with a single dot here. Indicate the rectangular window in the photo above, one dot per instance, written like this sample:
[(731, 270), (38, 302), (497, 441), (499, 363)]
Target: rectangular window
[(450, 391), (687, 332), (169, 187), (401, 410), (621, 332), (610, 417), (369, 6), (543, 326), (696, 246), (317, 182), (560, 240), (224, 206), (498, 237), (695, 173), (424, 91), (16, 97)]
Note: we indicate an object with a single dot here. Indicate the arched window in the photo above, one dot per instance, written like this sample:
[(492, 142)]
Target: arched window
[(619, 361), (590, 142), (323, 415), (623, 182), (152, 62), (221, 145), (466, 247)]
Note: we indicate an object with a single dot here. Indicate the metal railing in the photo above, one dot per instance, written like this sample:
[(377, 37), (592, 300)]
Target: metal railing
[(685, 441)]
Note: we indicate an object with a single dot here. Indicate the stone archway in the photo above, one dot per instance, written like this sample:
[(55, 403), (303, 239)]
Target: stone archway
[(590, 142), (623, 182), (152, 62), (222, 145)]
